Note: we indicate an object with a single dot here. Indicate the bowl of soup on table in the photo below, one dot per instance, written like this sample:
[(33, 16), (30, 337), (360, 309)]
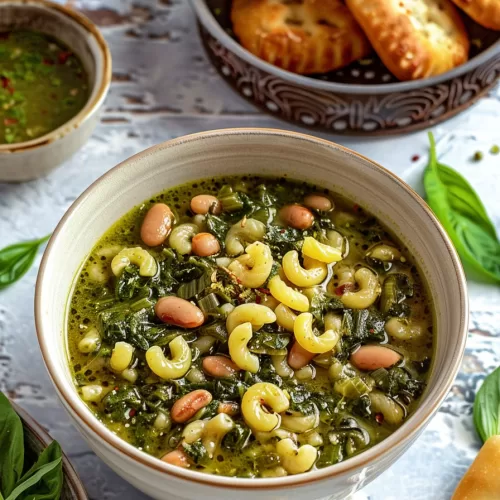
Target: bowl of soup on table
[(246, 311), (54, 74)]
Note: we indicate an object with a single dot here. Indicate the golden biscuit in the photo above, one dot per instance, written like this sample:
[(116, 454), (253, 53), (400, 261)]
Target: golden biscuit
[(303, 36), (414, 38), (484, 12)]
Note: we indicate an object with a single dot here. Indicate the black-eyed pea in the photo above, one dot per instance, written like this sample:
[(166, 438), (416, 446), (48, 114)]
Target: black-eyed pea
[(318, 202), (297, 216), (179, 312), (229, 408), (187, 406), (219, 366), (298, 357), (372, 357), (157, 225), (202, 203), (205, 244), (178, 458)]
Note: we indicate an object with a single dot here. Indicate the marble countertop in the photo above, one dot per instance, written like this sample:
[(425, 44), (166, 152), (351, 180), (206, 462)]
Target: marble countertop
[(164, 87)]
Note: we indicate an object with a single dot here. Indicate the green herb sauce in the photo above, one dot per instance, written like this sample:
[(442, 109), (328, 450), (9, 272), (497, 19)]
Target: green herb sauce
[(122, 309), (42, 85)]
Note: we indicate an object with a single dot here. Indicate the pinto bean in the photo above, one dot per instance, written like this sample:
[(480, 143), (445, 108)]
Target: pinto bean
[(297, 216), (318, 202), (229, 408), (156, 225), (372, 357), (179, 312), (185, 407), (205, 244), (178, 458), (298, 357), (219, 366), (201, 204)]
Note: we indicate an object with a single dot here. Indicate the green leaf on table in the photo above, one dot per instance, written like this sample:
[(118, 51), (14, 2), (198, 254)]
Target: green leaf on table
[(487, 406), (49, 484), (464, 217), (11, 447), (16, 259), (49, 474)]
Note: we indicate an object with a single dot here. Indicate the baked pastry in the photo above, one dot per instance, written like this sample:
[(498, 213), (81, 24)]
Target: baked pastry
[(484, 12), (482, 481), (303, 36), (414, 38)]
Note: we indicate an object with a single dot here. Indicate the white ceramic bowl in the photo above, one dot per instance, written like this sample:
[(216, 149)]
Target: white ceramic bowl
[(266, 152), (31, 159)]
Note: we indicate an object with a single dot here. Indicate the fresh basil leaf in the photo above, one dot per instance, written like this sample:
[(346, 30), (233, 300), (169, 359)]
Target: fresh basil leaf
[(11, 447), (50, 485), (464, 217), (487, 406), (45, 472), (15, 260)]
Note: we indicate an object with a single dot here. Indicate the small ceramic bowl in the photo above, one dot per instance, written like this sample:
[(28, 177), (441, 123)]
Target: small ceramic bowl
[(36, 440), (31, 159), (262, 152), (360, 99)]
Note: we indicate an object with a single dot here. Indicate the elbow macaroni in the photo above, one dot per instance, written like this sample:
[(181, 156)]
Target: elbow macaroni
[(287, 295), (242, 233), (238, 350), (215, 430), (174, 368), (181, 236), (285, 317), (253, 268), (193, 431), (304, 335), (319, 251), (369, 290), (251, 407), (299, 423), (384, 253), (121, 357), (313, 274), (256, 314), (137, 256), (296, 460), (401, 329)]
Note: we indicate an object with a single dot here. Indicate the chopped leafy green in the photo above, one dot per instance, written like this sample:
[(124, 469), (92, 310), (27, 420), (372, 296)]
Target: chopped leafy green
[(196, 452), (218, 228), (396, 288), (281, 240), (397, 381), (273, 344), (322, 303)]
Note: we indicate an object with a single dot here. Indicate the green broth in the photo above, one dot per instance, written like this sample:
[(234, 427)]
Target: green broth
[(346, 425), (42, 85)]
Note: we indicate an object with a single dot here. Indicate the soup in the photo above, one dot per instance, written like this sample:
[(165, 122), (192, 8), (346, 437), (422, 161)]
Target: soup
[(42, 85), (250, 327)]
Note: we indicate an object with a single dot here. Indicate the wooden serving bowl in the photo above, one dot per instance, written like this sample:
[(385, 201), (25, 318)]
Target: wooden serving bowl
[(360, 99)]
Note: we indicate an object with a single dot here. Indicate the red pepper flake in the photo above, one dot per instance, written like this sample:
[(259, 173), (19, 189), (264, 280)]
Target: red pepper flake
[(379, 417), (258, 300), (371, 330), (7, 84), (132, 412), (415, 158), (10, 121), (355, 208), (62, 57), (265, 291), (282, 231), (47, 61), (346, 287), (116, 388)]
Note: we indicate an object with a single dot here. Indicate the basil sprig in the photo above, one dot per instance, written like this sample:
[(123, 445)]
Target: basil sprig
[(487, 406), (464, 217), (45, 477), (16, 259)]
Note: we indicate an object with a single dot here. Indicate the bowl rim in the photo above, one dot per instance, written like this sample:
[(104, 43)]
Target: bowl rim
[(45, 438), (102, 85), (404, 435), (206, 18)]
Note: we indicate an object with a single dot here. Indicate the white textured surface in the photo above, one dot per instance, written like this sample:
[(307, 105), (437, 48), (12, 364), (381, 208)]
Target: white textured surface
[(164, 87)]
